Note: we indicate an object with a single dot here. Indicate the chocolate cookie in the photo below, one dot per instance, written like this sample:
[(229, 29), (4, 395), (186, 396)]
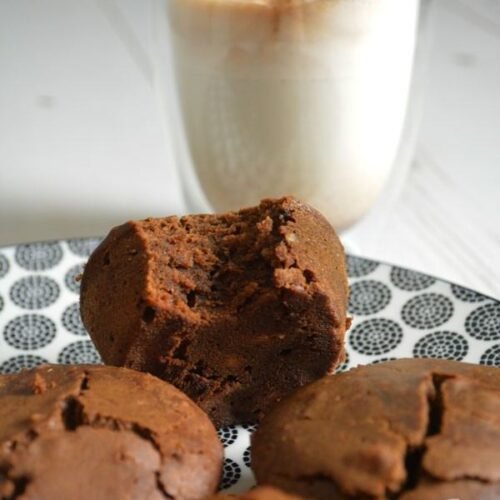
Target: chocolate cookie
[(412, 429), (259, 493), (236, 310), (93, 432)]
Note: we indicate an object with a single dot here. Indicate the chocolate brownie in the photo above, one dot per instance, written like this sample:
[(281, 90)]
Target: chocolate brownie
[(412, 429), (236, 310), (259, 493), (95, 432)]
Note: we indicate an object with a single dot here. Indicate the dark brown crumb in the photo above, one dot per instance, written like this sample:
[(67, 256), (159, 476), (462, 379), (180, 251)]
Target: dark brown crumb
[(236, 310)]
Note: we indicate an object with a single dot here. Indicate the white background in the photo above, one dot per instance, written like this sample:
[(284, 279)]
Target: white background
[(82, 148)]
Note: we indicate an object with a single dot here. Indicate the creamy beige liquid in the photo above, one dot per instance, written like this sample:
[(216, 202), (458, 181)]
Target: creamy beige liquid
[(292, 97)]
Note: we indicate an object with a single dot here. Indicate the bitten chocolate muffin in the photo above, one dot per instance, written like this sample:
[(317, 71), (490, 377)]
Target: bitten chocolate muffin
[(236, 310), (412, 429), (259, 493), (88, 432)]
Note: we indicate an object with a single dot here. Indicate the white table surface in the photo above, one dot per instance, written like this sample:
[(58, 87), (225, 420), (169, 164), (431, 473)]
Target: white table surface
[(82, 148)]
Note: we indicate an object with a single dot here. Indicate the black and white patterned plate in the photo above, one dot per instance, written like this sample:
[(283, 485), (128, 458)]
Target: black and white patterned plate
[(397, 313)]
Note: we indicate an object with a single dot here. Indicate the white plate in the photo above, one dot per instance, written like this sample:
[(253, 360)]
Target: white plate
[(397, 313)]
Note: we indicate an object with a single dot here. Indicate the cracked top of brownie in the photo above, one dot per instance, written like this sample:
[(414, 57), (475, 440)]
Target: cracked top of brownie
[(102, 432), (411, 429)]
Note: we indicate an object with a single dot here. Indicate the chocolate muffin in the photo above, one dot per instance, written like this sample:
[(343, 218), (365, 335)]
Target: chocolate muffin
[(412, 429), (259, 493), (236, 310), (94, 432)]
